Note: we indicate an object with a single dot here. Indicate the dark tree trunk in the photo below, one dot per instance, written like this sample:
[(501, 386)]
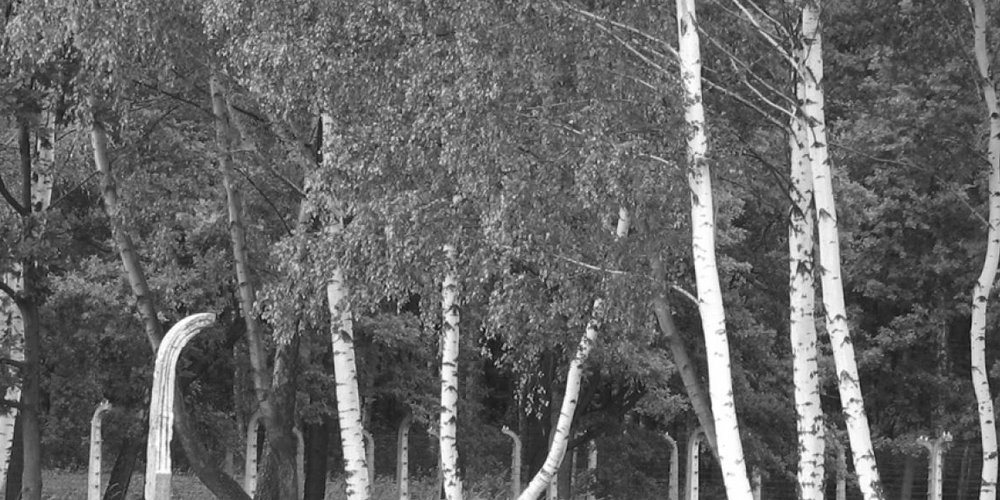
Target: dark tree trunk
[(121, 473), (909, 470), (16, 466), (279, 480), (317, 437), (565, 477), (31, 477)]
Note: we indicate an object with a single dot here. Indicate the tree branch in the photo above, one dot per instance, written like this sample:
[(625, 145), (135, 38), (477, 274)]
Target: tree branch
[(9, 198)]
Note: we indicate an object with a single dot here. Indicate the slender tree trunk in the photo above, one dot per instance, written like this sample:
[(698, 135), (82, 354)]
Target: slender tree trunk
[(557, 448), (829, 251), (121, 472), (713, 316), (673, 493), (278, 424), (693, 385), (31, 476), (358, 484), (317, 446), (220, 484), (449, 378), (801, 323), (984, 285)]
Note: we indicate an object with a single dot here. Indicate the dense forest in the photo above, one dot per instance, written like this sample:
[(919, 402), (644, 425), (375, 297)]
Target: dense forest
[(504, 248)]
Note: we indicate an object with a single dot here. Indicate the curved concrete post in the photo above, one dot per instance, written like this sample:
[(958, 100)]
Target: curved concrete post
[(694, 453), (300, 460), (250, 459), (161, 404), (94, 467), (515, 462), (935, 466), (403, 456), (674, 491)]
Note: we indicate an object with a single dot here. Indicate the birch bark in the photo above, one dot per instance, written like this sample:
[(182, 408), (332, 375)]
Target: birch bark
[(358, 484), (713, 316), (849, 383), (560, 440), (984, 285), (801, 323), (449, 378)]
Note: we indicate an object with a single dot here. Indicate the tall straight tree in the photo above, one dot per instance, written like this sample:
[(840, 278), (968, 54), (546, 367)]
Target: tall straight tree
[(802, 304), (984, 285), (449, 377), (275, 406), (811, 72), (713, 315), (352, 440)]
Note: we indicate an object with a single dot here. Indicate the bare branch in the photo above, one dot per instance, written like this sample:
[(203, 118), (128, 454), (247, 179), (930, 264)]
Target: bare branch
[(9, 198), (71, 191), (590, 266)]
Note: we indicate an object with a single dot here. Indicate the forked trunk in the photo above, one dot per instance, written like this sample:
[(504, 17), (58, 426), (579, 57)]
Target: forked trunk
[(801, 323), (217, 481), (811, 72), (713, 316), (693, 385), (984, 285)]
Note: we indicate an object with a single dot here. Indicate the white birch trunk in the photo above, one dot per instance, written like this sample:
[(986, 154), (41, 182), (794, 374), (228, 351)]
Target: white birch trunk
[(13, 336), (448, 435), (935, 466), (96, 441), (984, 285), (358, 483), (560, 439), (713, 316), (348, 398), (801, 324), (250, 458), (829, 252)]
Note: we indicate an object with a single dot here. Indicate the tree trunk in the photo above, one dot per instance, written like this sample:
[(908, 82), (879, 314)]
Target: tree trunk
[(13, 487), (449, 378), (713, 316), (121, 472), (909, 471), (693, 385), (281, 441), (560, 440), (829, 251), (984, 285), (673, 491), (317, 437), (358, 483), (802, 304), (220, 484)]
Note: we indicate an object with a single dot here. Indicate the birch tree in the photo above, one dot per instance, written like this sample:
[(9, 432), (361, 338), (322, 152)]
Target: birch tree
[(710, 307), (848, 380), (449, 377), (984, 285), (802, 303), (358, 484)]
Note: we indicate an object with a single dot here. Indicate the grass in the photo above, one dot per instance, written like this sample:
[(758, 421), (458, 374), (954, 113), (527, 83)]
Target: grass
[(70, 485)]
